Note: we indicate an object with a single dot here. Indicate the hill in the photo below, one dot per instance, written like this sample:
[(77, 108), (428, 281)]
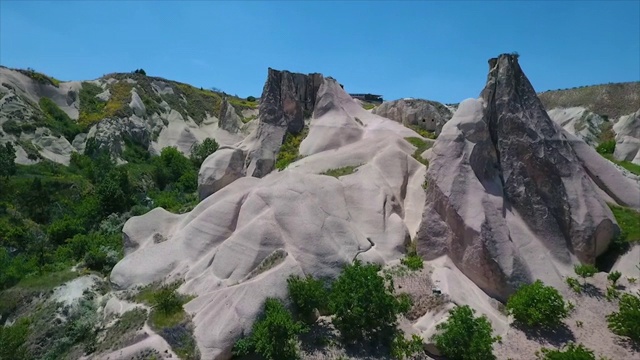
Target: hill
[(607, 100)]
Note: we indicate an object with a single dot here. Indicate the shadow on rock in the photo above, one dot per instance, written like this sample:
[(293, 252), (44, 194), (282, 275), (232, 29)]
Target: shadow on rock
[(557, 336), (592, 291), (628, 343)]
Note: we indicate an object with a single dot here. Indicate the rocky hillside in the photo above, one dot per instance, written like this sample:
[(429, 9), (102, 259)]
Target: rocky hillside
[(416, 113), (50, 119), (608, 100)]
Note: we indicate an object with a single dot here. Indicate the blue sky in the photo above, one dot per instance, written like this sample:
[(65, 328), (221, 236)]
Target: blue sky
[(432, 50)]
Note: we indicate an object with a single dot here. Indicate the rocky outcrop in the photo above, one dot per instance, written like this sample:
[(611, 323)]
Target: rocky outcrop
[(506, 189), (425, 114), (580, 122), (219, 170), (627, 130), (287, 99), (229, 119)]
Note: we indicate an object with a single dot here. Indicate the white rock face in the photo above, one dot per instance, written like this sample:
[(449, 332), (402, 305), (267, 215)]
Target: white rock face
[(241, 243), (219, 170), (580, 122), (627, 130), (429, 115)]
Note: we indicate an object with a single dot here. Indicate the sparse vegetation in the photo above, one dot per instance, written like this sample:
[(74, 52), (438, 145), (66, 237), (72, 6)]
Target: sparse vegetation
[(574, 284), (199, 152), (614, 276), (629, 166), (571, 351), (423, 132), (290, 149), (629, 222), (626, 321), (537, 305), (413, 261), (607, 147), (40, 77), (343, 171), (58, 120), (91, 108), (421, 146), (464, 336), (368, 106), (585, 271)]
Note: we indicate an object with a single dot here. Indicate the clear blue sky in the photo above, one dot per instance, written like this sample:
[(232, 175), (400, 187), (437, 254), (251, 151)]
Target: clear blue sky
[(433, 50)]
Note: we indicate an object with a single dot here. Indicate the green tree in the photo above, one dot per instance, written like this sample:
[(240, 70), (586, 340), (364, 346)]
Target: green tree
[(167, 301), (114, 192), (274, 335), (7, 160), (199, 152), (36, 201), (626, 321), (307, 294), (170, 166), (537, 305), (402, 348), (363, 304), (464, 336)]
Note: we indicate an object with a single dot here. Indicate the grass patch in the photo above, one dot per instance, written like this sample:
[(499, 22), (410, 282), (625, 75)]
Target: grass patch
[(421, 146), (247, 119), (47, 281), (40, 77), (290, 149), (423, 132), (368, 106), (198, 103), (336, 173), (629, 166), (166, 305), (629, 222), (241, 104), (91, 108)]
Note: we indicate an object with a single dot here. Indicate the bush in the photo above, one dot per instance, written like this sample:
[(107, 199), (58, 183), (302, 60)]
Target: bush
[(199, 152), (626, 321), (574, 285), (13, 340), (167, 301), (273, 336), (402, 348), (7, 160), (251, 99), (606, 147), (290, 149), (413, 261), (464, 336), (569, 352), (172, 165), (363, 304), (307, 294), (614, 277), (58, 120), (537, 305), (585, 271)]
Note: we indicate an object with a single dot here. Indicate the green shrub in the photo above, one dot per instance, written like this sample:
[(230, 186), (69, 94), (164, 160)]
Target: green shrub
[(251, 99), (199, 152), (58, 120), (12, 127), (421, 146), (171, 166), (465, 337), (91, 108), (40, 77), (569, 352), (606, 147), (7, 160), (363, 304), (614, 276), (347, 170), (274, 335), (626, 321), (290, 149), (307, 294), (537, 305), (13, 340), (422, 132), (585, 271), (402, 348), (413, 261), (167, 301), (574, 285)]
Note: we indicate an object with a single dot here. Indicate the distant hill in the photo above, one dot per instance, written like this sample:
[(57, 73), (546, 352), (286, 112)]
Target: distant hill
[(610, 100)]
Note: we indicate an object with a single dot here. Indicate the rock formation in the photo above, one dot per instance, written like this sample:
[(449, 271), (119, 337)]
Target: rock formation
[(580, 122), (425, 114), (508, 199), (627, 130), (287, 99)]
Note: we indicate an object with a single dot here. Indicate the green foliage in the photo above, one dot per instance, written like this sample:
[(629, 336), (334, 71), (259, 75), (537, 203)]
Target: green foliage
[(629, 222), (290, 149), (368, 106), (173, 168), (307, 294), (614, 276), (240, 104), (626, 321), (363, 304), (464, 336), (135, 153), (167, 301), (13, 340), (114, 192), (402, 348), (12, 127), (574, 285), (251, 99), (40, 77), (569, 352), (612, 293), (585, 270), (58, 120), (413, 261), (607, 147), (273, 336), (199, 102), (199, 152), (343, 171), (91, 108), (537, 305), (423, 132), (7, 160)]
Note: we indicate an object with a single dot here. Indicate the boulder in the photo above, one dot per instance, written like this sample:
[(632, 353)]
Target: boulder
[(627, 130), (229, 119), (219, 170)]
